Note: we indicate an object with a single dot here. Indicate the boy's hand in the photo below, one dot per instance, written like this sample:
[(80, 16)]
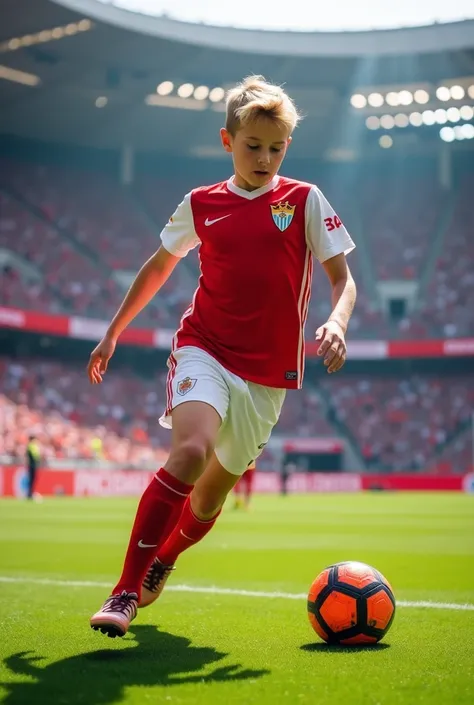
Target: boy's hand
[(99, 359), (332, 345)]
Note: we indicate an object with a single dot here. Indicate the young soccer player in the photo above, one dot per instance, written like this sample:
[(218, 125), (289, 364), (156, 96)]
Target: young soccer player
[(240, 344), (243, 488)]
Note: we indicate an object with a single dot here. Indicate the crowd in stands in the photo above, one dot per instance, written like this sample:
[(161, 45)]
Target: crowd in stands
[(396, 424), (67, 236), (54, 401), (400, 216), (56, 278), (450, 298), (116, 422), (95, 228), (402, 423), (458, 455), (77, 230)]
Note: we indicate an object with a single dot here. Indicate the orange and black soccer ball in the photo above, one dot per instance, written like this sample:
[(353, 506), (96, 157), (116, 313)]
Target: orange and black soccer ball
[(351, 603)]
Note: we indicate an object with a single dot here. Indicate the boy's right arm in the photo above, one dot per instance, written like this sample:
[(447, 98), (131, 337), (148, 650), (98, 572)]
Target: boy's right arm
[(177, 237), (147, 283)]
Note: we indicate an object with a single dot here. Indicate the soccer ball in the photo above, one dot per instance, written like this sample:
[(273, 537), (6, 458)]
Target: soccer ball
[(351, 603)]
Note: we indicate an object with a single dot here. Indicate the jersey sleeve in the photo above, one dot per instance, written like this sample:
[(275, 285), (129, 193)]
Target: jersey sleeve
[(325, 233), (179, 236)]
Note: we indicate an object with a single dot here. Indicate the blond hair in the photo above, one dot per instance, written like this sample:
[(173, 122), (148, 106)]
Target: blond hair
[(254, 98)]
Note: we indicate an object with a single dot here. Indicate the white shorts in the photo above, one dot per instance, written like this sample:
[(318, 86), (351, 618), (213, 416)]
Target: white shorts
[(248, 411)]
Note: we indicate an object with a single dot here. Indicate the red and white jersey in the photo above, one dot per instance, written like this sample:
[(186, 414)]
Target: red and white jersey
[(256, 250)]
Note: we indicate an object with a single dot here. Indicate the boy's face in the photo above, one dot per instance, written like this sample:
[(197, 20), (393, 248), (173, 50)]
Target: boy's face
[(258, 150)]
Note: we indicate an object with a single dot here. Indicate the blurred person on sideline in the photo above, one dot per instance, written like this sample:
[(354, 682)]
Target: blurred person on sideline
[(243, 490), (286, 471), (33, 458)]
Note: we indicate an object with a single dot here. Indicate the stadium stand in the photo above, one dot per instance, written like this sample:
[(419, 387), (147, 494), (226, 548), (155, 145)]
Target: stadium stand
[(98, 228), (397, 424), (53, 401), (402, 423), (42, 394), (94, 228), (400, 217), (450, 300), (64, 235)]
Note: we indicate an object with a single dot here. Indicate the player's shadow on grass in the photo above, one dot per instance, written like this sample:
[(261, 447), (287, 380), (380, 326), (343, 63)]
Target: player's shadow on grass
[(101, 677), (322, 648)]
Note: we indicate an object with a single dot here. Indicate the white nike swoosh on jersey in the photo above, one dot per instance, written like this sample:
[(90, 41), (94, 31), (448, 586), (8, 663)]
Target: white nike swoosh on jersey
[(146, 545), (216, 220)]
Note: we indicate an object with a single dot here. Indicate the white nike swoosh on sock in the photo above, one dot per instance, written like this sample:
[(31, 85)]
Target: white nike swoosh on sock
[(146, 545), (186, 537)]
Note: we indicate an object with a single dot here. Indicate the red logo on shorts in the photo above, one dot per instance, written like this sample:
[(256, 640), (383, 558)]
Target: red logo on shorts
[(185, 385)]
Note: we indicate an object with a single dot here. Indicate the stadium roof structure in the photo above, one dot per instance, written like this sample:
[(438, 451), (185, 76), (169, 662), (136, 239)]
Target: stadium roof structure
[(86, 72)]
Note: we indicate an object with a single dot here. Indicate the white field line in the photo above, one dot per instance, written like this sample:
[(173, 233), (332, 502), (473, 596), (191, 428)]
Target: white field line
[(224, 591)]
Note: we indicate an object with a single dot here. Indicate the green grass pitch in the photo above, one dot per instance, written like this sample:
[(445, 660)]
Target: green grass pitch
[(204, 647)]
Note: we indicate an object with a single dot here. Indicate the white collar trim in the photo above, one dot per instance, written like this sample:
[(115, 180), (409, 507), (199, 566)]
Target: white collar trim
[(250, 195)]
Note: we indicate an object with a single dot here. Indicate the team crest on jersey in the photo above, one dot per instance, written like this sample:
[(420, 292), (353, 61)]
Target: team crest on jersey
[(185, 385), (282, 215)]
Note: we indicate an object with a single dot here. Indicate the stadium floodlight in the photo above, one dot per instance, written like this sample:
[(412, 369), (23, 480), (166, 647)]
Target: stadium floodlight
[(467, 131), (174, 101), (454, 114), (45, 35), (185, 90), (421, 96), (385, 141), (15, 76), (387, 122), (217, 94), (415, 119), (443, 93), (441, 116), (457, 92), (358, 101), (405, 98), (428, 117), (466, 112), (201, 92), (101, 101), (375, 100), (401, 120), (458, 132), (392, 99), (165, 88), (470, 92), (447, 134), (373, 122)]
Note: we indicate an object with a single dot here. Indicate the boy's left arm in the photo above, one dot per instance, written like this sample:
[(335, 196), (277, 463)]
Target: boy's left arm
[(332, 334)]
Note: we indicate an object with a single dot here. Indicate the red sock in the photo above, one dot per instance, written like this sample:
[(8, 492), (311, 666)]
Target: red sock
[(159, 508), (188, 531)]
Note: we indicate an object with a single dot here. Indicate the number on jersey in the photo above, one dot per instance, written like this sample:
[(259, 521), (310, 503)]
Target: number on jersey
[(333, 223)]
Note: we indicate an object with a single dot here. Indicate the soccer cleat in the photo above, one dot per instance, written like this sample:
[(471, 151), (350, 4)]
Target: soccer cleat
[(116, 613), (154, 582)]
